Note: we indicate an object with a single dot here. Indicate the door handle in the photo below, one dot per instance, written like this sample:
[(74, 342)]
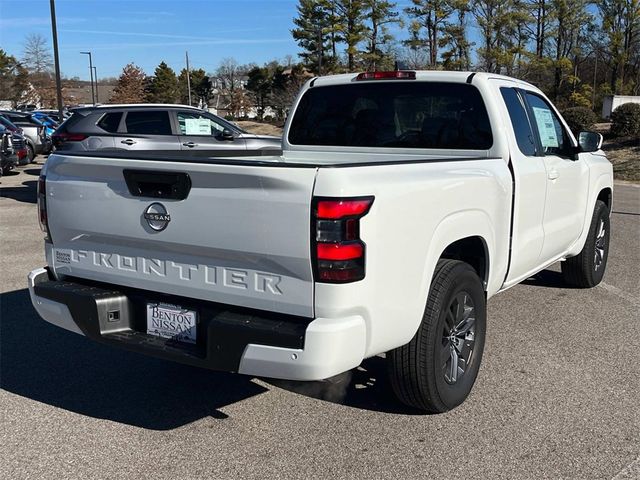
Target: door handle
[(190, 144), (128, 141), (553, 174)]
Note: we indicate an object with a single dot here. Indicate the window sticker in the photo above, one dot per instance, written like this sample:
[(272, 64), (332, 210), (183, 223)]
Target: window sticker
[(197, 126), (548, 134)]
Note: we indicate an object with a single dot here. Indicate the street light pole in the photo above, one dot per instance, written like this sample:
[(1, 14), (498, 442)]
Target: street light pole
[(188, 77), (93, 96), (95, 76), (54, 33)]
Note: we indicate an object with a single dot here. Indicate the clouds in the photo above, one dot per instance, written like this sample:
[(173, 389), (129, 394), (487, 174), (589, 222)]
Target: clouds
[(145, 45), (41, 21)]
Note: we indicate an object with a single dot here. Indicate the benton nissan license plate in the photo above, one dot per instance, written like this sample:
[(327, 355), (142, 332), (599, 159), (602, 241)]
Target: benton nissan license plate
[(171, 321)]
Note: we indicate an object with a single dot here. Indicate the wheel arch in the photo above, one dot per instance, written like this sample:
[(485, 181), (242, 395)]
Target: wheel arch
[(467, 236), (472, 250), (606, 195)]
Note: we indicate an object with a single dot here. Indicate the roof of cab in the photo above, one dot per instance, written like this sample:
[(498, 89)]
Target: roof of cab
[(133, 106), (421, 75)]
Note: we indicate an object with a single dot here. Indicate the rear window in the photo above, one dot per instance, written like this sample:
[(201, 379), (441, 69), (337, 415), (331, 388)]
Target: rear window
[(148, 123), (110, 121), (398, 114)]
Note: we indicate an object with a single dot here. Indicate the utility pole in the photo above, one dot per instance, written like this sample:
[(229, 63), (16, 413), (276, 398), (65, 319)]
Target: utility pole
[(320, 51), (93, 95), (54, 33), (95, 75), (186, 54), (595, 76)]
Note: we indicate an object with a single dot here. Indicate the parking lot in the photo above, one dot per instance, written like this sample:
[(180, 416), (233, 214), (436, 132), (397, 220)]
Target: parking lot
[(557, 397)]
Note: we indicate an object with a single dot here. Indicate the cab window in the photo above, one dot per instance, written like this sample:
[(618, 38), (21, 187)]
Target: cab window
[(553, 137), (519, 121), (193, 123)]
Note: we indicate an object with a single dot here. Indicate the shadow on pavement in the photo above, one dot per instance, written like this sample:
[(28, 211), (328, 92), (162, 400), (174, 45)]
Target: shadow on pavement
[(50, 365), (548, 278), (27, 193), (365, 387), (33, 171)]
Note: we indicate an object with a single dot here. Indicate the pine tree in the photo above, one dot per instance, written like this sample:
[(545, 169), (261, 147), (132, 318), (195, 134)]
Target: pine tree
[(260, 83), (164, 86), (457, 53), (380, 14), (201, 87), (501, 31), (14, 81), (621, 26), (311, 33), (428, 19), (350, 16), (571, 17), (131, 86)]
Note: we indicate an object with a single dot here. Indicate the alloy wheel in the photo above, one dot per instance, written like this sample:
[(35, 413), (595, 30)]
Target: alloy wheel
[(458, 337)]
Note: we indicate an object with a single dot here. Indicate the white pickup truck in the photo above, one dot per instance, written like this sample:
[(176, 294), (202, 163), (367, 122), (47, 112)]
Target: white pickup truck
[(401, 202)]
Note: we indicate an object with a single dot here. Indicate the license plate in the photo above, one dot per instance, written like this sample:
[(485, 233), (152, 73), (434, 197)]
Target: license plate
[(171, 321)]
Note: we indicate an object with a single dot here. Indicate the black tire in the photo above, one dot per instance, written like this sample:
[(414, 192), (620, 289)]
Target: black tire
[(420, 375), (586, 269), (31, 153)]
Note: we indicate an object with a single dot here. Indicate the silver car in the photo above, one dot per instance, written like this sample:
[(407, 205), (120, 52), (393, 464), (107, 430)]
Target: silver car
[(145, 127)]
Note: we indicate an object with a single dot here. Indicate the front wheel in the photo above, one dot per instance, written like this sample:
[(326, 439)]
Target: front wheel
[(586, 269), (436, 370)]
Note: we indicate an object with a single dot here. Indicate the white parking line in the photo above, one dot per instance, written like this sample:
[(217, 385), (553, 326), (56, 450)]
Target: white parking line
[(633, 300)]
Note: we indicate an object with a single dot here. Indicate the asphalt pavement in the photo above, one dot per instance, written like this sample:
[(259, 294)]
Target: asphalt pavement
[(557, 396)]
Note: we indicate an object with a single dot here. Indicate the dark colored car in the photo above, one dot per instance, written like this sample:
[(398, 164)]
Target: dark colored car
[(33, 129), (8, 153), (17, 139), (155, 127)]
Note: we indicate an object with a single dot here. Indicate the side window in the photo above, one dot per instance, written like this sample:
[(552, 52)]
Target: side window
[(110, 122), (148, 122), (519, 121), (192, 123), (553, 138)]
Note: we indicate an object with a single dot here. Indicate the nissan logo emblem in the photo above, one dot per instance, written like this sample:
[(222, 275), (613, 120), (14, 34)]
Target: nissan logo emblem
[(157, 217)]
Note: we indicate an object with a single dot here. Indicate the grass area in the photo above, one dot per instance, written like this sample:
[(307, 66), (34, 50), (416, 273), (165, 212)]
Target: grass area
[(259, 128), (624, 153)]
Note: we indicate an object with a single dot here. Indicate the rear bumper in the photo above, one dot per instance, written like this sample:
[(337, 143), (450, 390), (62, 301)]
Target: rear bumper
[(229, 339)]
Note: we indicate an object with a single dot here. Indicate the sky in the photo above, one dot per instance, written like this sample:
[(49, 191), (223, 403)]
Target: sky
[(147, 32)]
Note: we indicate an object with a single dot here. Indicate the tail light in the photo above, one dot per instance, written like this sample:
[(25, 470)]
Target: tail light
[(337, 250), (59, 138), (42, 207)]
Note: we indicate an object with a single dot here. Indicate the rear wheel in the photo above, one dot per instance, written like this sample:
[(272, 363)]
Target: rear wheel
[(31, 153), (586, 269), (437, 369)]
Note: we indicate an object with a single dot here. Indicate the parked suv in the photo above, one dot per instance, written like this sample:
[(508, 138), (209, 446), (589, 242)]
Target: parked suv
[(154, 127), (33, 129)]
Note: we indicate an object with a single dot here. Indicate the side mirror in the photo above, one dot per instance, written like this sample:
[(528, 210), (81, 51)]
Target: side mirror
[(227, 134), (589, 141)]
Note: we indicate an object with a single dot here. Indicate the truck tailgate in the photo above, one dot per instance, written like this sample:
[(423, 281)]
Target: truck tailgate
[(240, 237)]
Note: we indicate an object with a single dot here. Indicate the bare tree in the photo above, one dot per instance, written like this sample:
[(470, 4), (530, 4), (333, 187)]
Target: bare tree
[(37, 56), (230, 79)]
